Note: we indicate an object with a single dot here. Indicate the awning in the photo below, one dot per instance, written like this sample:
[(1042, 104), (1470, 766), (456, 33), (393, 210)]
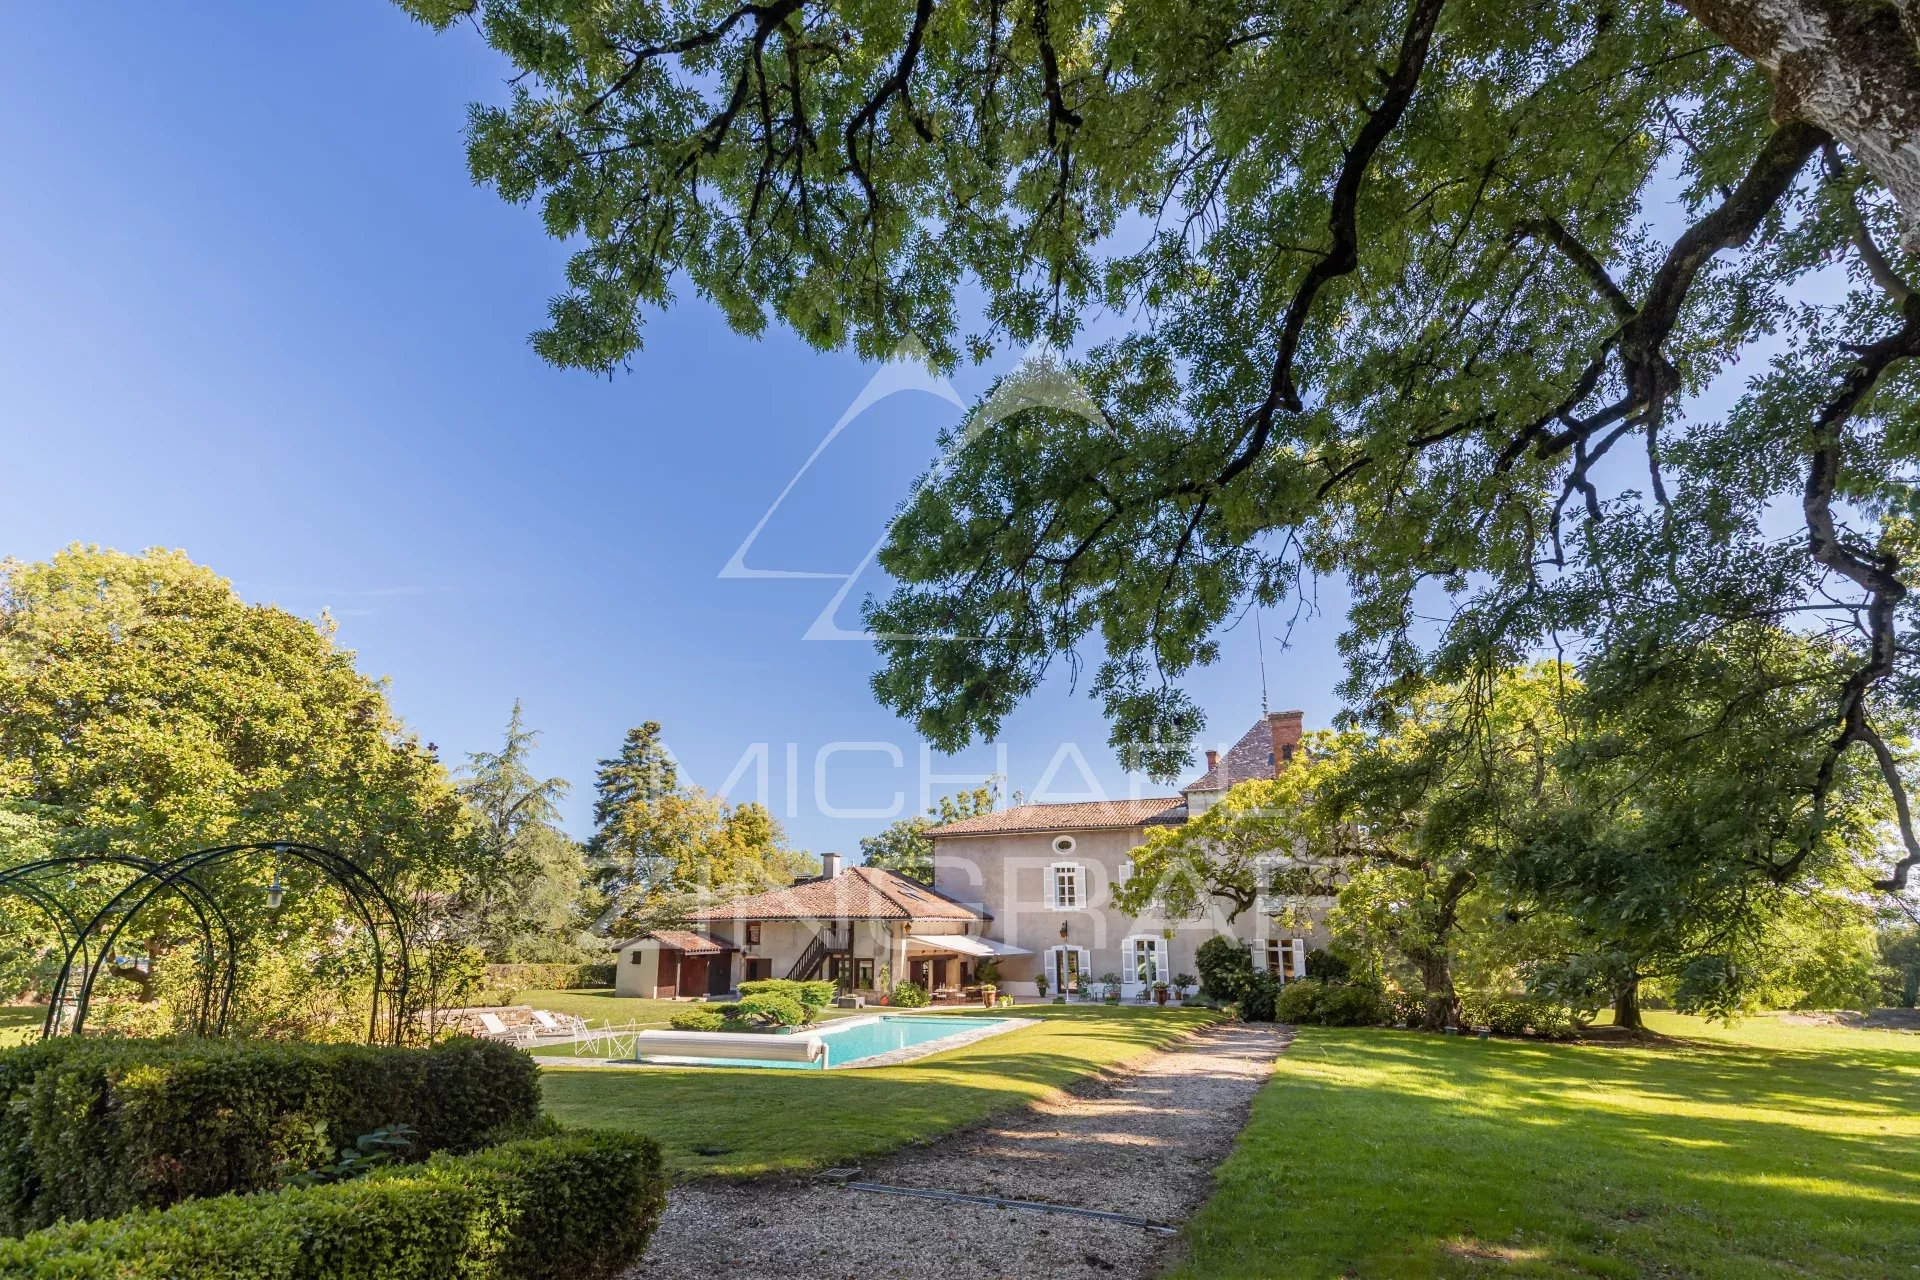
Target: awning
[(961, 944)]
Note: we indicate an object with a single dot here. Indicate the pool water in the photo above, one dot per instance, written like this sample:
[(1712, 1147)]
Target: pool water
[(858, 1038)]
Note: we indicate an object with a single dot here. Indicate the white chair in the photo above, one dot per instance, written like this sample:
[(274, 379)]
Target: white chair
[(561, 1024), (494, 1029)]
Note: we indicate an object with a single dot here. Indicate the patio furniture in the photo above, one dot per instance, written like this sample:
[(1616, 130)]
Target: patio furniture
[(494, 1029), (849, 1001), (559, 1024)]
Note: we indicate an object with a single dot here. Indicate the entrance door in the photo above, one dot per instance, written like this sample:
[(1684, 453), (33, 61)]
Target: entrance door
[(720, 974), (759, 968), (1064, 966)]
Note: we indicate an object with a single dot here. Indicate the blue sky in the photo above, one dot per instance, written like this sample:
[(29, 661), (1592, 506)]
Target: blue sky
[(252, 307)]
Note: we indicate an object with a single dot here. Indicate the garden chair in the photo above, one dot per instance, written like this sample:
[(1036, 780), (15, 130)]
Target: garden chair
[(494, 1029), (559, 1024)]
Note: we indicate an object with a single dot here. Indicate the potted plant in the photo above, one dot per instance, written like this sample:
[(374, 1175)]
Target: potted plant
[(1160, 990), (883, 985), (1040, 985), (1183, 985), (1110, 988), (989, 995)]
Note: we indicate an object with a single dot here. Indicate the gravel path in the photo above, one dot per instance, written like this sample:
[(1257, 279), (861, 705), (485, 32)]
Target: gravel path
[(1145, 1146)]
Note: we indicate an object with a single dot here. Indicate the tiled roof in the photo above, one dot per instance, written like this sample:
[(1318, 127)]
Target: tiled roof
[(1251, 757), (1080, 815), (858, 893), (690, 943)]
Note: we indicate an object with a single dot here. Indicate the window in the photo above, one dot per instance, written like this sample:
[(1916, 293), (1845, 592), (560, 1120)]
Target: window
[(1287, 958), (1126, 872), (1063, 844), (753, 934), (635, 954), (1063, 885)]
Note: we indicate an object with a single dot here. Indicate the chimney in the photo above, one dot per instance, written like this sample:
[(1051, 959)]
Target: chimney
[(1213, 761), (1286, 736), (830, 862)]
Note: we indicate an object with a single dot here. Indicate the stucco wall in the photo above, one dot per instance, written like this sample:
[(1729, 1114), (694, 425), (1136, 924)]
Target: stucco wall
[(1005, 876)]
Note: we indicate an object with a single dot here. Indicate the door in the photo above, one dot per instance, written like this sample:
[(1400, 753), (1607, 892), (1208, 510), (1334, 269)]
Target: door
[(1146, 964), (1065, 966), (720, 974), (759, 968)]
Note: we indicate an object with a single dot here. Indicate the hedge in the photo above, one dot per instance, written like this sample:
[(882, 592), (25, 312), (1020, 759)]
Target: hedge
[(548, 977), (94, 1128), (578, 1206), (815, 995)]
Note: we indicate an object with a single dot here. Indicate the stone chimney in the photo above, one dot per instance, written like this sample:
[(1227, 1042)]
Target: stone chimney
[(830, 862), (1213, 761), (1286, 736)]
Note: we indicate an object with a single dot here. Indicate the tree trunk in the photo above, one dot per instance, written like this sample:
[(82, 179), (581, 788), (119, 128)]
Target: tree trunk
[(1850, 67), (1443, 1005), (1626, 1006)]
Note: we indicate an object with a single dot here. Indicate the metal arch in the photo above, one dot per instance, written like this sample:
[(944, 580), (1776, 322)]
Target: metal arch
[(197, 897), (64, 923), (343, 872)]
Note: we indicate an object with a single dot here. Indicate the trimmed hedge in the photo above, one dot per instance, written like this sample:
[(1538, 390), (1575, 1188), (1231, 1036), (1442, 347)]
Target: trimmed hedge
[(815, 995), (577, 1206), (1514, 1015), (548, 977), (95, 1128)]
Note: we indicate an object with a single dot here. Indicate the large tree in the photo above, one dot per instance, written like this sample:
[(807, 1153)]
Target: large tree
[(661, 847), (1421, 293), (529, 899), (146, 709)]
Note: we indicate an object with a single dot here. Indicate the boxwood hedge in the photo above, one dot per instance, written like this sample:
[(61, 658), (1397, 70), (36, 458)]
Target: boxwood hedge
[(579, 1206), (94, 1128)]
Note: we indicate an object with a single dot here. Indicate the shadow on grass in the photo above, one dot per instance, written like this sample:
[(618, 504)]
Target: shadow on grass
[(1397, 1154)]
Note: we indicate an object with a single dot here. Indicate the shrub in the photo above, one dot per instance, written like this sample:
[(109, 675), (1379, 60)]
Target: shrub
[(987, 972), (811, 996), (1515, 1015), (578, 1205), (1311, 1002), (910, 995), (1327, 966), (1409, 1007), (547, 977), (1259, 993), (767, 1009), (93, 1128), (699, 1018), (1224, 966)]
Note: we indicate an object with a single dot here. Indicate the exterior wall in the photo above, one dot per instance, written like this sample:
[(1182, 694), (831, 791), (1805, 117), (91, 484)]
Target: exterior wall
[(782, 942), (1005, 876), (637, 971)]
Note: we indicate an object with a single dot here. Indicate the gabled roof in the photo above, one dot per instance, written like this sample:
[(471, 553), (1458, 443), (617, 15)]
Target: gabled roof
[(681, 940), (1081, 815), (858, 893)]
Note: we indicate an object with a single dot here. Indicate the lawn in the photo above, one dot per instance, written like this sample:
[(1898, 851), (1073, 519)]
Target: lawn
[(1766, 1149), (736, 1122), (20, 1023)]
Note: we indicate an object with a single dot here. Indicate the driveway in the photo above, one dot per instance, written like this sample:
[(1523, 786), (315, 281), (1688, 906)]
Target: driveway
[(1144, 1147)]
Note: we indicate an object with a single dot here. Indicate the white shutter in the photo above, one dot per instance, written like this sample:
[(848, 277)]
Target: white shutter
[(1126, 872), (1299, 957), (1050, 892)]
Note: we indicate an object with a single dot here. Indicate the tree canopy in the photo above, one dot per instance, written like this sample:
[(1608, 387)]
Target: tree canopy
[(661, 847), (1434, 296), (905, 847)]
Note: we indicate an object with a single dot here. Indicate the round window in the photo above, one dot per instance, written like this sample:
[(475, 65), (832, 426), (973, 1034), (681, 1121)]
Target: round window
[(1063, 845)]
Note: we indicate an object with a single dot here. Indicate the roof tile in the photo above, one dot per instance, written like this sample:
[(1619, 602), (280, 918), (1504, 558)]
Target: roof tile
[(1080, 815), (858, 893)]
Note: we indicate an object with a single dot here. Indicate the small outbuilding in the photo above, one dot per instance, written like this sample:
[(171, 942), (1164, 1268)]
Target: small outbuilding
[(673, 964)]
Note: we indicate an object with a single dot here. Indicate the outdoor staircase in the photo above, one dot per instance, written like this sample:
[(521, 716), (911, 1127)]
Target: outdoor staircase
[(809, 962)]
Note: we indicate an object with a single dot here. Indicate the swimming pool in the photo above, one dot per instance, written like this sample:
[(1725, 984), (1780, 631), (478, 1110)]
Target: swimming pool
[(855, 1039)]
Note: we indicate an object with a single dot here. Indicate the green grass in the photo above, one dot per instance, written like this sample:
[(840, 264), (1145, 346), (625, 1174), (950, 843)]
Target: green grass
[(20, 1023), (1764, 1149), (740, 1122)]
